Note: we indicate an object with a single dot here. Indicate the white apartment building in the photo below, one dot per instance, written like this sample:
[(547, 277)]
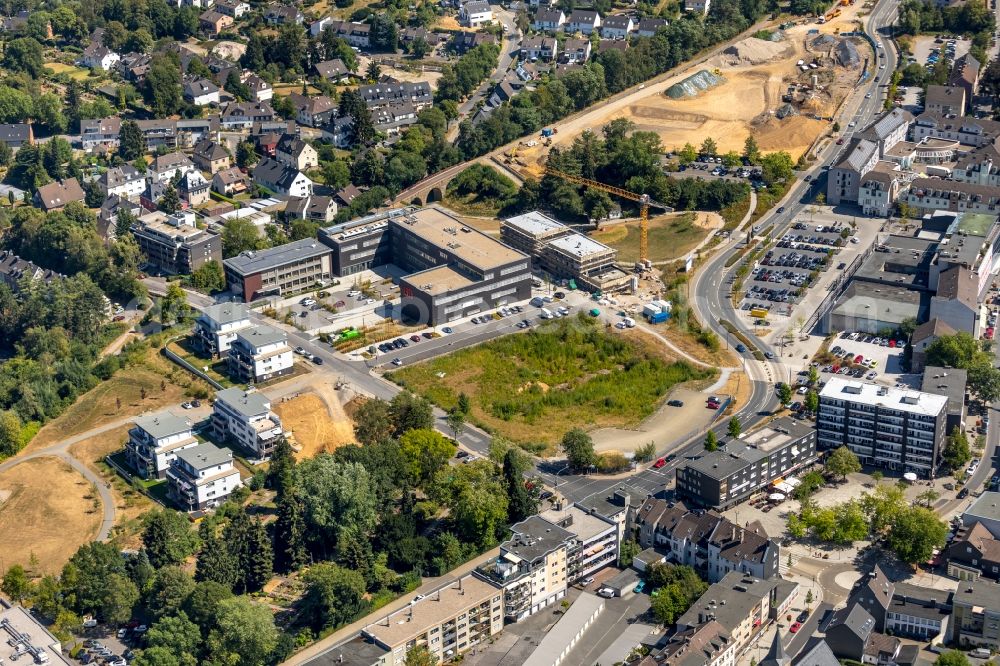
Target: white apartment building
[(153, 443), (901, 430), (245, 418), (260, 353), (217, 326), (596, 544), (125, 181), (202, 477)]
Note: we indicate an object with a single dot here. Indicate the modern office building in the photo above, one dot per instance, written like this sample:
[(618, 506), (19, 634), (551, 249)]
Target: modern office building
[(531, 567), (217, 326), (245, 418), (153, 443), (747, 466), (530, 232), (202, 477), (260, 353), (898, 429), (453, 270), (279, 271), (174, 244), (448, 622)]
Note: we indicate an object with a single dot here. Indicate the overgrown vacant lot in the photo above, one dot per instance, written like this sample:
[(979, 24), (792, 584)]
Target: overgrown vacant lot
[(533, 387), (670, 237)]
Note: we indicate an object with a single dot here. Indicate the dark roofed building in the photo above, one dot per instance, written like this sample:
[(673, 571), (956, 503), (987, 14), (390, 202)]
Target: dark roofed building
[(14, 269), (923, 336), (957, 300), (55, 196), (333, 70), (16, 135), (849, 631), (973, 554), (948, 382), (965, 74)]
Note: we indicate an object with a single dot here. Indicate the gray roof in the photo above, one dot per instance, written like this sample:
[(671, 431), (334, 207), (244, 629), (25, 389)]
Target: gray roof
[(204, 456), (535, 537), (948, 382), (986, 506), (921, 602), (358, 651), (776, 655), (855, 618), (859, 153), (247, 403), (819, 654), (983, 593), (163, 424), (611, 502), (734, 597), (264, 260), (260, 335), (226, 313), (883, 126)]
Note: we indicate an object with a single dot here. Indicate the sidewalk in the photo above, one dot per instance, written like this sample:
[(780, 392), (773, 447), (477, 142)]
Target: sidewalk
[(345, 633)]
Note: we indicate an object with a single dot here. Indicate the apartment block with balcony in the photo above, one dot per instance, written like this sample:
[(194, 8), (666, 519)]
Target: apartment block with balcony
[(217, 326), (448, 622), (202, 477), (174, 243), (260, 353), (896, 429), (975, 616), (245, 418), (596, 539), (531, 568), (153, 443)]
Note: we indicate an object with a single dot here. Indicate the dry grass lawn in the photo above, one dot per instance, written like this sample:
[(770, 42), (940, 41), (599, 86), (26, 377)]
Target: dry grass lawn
[(100, 405), (49, 512), (320, 425), (670, 236)]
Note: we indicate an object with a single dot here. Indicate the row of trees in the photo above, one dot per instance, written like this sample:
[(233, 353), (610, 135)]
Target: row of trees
[(962, 350)]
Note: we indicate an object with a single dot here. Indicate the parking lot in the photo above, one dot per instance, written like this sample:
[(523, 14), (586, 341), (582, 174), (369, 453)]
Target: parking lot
[(866, 356), (790, 267), (927, 48), (712, 166)]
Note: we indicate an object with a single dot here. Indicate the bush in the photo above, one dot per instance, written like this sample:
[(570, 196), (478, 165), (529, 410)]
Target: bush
[(611, 462)]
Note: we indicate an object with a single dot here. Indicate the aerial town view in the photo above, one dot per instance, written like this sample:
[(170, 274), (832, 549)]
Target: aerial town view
[(526, 333)]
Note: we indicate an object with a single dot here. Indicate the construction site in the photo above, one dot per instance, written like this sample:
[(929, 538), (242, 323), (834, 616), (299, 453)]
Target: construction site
[(783, 86)]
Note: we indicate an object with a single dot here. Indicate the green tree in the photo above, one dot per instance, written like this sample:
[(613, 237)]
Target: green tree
[(216, 562), (202, 604), (956, 452), (521, 502), (334, 596), (209, 277), (245, 633), (711, 441), (784, 393), (928, 497), (959, 350), (410, 412), (915, 534), (984, 381), (579, 449), (645, 452), (626, 554), (239, 235), (709, 147), (811, 402), (132, 142), (338, 496), (734, 428), (418, 655), (174, 307), (290, 532), (687, 154), (178, 634), (478, 502), (25, 55), (170, 589), (246, 155), (157, 656), (119, 598), (248, 542), (456, 421), (163, 85), (16, 584), (952, 658), (424, 453), (170, 202), (751, 151), (167, 537), (842, 462), (777, 167), (373, 422), (464, 405)]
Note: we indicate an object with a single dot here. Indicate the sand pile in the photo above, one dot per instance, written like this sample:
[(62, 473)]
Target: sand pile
[(753, 51)]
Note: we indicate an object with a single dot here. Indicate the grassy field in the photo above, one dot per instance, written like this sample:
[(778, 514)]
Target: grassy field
[(217, 369), (163, 382), (471, 204), (74, 71), (47, 511), (534, 387), (670, 237)]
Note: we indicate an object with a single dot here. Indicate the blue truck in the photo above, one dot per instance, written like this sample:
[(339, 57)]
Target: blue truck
[(658, 318)]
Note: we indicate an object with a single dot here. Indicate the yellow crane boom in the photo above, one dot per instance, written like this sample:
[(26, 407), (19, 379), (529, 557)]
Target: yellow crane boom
[(643, 199)]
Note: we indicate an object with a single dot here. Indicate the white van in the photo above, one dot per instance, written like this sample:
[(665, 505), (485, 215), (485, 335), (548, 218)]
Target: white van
[(980, 653), (546, 313)]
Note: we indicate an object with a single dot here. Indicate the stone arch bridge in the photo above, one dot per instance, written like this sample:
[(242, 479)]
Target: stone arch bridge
[(433, 187)]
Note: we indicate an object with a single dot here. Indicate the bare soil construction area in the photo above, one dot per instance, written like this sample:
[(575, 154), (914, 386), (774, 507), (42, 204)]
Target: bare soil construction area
[(319, 423), (760, 88)]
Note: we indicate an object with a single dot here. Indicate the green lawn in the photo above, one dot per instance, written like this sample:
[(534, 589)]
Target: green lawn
[(670, 237), (534, 387)]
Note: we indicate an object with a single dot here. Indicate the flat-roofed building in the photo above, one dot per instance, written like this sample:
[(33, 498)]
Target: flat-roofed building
[(870, 308), (245, 418), (975, 618), (217, 326), (260, 353), (900, 430), (949, 382), (747, 466), (174, 244), (448, 622), (279, 271), (530, 232), (154, 440), (28, 638), (597, 539), (590, 263), (202, 477)]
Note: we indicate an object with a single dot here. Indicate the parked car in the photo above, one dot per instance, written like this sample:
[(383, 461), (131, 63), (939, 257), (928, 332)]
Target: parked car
[(659, 463), (675, 403)]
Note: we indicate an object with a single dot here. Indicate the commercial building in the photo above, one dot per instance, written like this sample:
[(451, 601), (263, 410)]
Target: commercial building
[(975, 618), (897, 429), (260, 353), (278, 271), (245, 418), (153, 443), (902, 609), (454, 270), (202, 477), (448, 622), (709, 543), (174, 244), (531, 567), (748, 466), (217, 326), (23, 637)]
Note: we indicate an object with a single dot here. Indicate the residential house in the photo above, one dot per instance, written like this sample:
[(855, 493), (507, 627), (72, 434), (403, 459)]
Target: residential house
[(174, 244), (16, 135), (216, 327), (548, 20), (202, 477), (334, 71), (965, 74), (355, 34), (166, 168), (575, 51), (99, 56), (986, 510), (282, 179), (851, 635), (923, 337), (617, 26), (242, 115), (317, 27), (539, 47), (974, 553), (14, 270), (956, 302), (465, 40), (880, 188), (210, 156), (153, 443), (100, 133), (245, 418), (975, 620), (235, 8), (946, 100), (134, 66), (283, 15), (648, 27), (194, 188), (214, 23), (260, 90), (931, 194), (596, 541), (201, 92), (159, 132), (314, 208), (707, 644), (55, 195), (313, 111), (475, 13), (107, 217), (584, 21), (266, 144), (230, 182), (259, 354), (697, 6), (503, 92), (124, 180), (902, 609), (382, 94), (345, 196)]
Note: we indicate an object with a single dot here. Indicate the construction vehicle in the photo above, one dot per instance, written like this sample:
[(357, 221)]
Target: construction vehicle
[(644, 203)]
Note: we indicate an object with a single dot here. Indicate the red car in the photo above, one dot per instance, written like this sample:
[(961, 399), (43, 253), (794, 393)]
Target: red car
[(859, 358), (892, 343), (795, 627), (835, 369), (659, 463), (712, 404), (840, 142)]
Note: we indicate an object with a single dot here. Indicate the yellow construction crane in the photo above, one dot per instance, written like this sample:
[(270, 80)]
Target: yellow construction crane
[(644, 203)]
